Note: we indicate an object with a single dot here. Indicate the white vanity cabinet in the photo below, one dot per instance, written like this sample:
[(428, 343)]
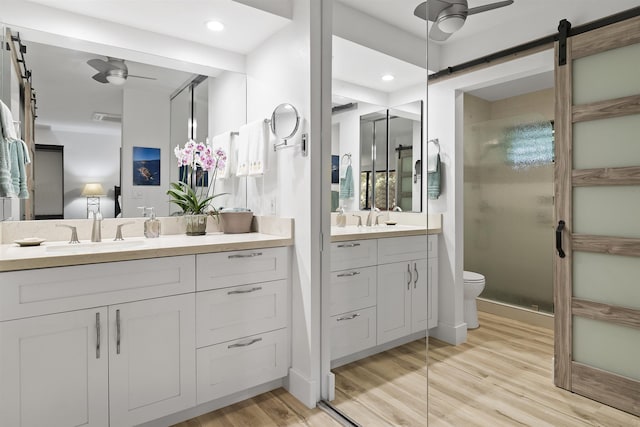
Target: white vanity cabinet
[(242, 317), (118, 365), (353, 291), (403, 287), (54, 370), (381, 290)]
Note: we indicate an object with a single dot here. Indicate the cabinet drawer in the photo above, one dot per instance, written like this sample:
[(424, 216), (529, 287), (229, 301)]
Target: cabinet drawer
[(353, 254), (226, 314), (227, 368), (353, 289), (352, 332), (225, 269), (395, 249), (432, 250), (54, 290)]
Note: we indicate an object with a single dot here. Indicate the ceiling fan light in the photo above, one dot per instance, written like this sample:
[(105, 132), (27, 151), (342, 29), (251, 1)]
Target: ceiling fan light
[(450, 23), (116, 77)]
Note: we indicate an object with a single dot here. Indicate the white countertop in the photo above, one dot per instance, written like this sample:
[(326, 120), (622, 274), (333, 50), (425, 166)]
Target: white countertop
[(352, 232), (58, 254)]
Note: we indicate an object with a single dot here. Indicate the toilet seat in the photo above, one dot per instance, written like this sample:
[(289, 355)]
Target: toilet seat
[(471, 277)]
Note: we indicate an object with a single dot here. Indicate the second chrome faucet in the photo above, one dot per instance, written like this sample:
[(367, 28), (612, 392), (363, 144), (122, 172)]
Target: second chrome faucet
[(96, 229)]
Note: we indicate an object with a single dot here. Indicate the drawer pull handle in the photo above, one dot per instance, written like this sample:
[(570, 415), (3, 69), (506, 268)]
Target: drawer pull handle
[(117, 331), (410, 276), (245, 291), (245, 344), (349, 245), (350, 274), (98, 335), (353, 316), (251, 255)]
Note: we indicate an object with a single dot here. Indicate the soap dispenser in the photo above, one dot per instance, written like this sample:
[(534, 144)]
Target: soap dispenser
[(341, 219), (152, 225)]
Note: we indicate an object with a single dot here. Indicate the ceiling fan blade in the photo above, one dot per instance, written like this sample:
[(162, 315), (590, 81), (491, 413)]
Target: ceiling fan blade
[(100, 77), (100, 65), (143, 77), (437, 34), (489, 6), (429, 10)]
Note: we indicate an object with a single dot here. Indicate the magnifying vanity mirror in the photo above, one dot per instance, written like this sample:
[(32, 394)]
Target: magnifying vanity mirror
[(285, 121)]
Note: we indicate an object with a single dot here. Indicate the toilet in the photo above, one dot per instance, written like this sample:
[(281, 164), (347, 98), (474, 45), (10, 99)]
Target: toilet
[(473, 287)]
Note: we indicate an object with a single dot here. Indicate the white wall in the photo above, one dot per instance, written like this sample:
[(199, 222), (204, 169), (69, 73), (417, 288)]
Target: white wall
[(227, 112), (145, 123), (87, 158), (279, 71), (445, 111)]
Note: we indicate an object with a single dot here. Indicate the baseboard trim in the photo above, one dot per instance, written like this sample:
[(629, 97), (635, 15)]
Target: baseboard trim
[(302, 388), (449, 333), (531, 317)]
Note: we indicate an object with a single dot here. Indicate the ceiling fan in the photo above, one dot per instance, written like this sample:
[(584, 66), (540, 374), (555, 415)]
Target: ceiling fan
[(448, 16), (113, 71)]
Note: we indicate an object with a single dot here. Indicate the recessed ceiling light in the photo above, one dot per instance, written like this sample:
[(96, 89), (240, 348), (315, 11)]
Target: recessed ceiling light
[(387, 77), (215, 26)]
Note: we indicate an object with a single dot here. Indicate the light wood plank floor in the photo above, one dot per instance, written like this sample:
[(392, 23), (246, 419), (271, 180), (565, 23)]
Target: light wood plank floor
[(502, 376)]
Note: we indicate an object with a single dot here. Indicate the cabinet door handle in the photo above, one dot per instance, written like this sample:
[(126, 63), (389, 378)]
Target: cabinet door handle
[(244, 344), (245, 291), (353, 316), (117, 331), (349, 245), (410, 277), (350, 274), (98, 335), (251, 255), (415, 281)]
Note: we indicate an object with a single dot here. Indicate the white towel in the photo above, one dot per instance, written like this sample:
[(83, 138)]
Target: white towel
[(8, 128), (224, 141), (252, 146)]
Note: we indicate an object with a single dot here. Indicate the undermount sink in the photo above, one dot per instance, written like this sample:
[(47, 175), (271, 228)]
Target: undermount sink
[(91, 247)]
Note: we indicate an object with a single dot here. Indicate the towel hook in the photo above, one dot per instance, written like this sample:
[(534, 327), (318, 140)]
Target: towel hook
[(435, 142), (347, 156)]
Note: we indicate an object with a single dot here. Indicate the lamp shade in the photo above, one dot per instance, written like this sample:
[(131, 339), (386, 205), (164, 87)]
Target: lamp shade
[(93, 190)]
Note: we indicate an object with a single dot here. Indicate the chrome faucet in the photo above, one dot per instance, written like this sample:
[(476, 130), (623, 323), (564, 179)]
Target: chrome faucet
[(96, 230), (119, 230), (359, 220), (74, 232), (370, 216)]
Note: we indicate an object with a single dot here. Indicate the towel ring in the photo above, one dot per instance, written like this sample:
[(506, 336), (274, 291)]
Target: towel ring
[(436, 143), (347, 156)]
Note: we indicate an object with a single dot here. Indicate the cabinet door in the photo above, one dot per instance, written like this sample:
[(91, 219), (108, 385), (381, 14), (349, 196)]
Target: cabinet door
[(394, 301), (54, 370), (151, 359), (420, 297)]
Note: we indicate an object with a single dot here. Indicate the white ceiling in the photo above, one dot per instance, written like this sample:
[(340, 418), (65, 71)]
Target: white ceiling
[(359, 65), (246, 27)]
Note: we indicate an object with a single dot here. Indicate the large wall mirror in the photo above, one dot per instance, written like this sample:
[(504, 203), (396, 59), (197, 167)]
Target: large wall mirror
[(101, 123)]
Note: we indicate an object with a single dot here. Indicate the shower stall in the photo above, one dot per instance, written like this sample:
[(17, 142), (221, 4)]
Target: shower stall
[(508, 198)]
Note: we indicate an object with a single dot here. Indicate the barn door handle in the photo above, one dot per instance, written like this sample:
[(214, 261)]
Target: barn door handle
[(561, 253)]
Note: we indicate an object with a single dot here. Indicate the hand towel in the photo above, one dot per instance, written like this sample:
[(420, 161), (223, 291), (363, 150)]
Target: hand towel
[(18, 173), (224, 142), (252, 140), (433, 152), (434, 180), (258, 142), (6, 183), (8, 128), (346, 184)]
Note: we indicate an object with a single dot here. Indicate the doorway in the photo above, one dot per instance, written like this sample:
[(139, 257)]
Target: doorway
[(48, 176)]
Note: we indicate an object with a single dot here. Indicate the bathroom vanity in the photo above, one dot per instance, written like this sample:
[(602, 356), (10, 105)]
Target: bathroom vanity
[(125, 336), (383, 288)]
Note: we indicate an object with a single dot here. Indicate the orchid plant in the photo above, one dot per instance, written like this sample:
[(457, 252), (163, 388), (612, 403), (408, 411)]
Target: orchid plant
[(191, 193)]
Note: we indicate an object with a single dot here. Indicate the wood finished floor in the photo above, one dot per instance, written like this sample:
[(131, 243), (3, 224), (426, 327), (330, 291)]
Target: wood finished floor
[(502, 376)]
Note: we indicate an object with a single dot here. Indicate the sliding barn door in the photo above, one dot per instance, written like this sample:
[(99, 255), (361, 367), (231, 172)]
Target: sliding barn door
[(597, 184)]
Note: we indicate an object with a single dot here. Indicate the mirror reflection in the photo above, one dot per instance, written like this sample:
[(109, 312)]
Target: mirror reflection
[(92, 120), (285, 121)]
